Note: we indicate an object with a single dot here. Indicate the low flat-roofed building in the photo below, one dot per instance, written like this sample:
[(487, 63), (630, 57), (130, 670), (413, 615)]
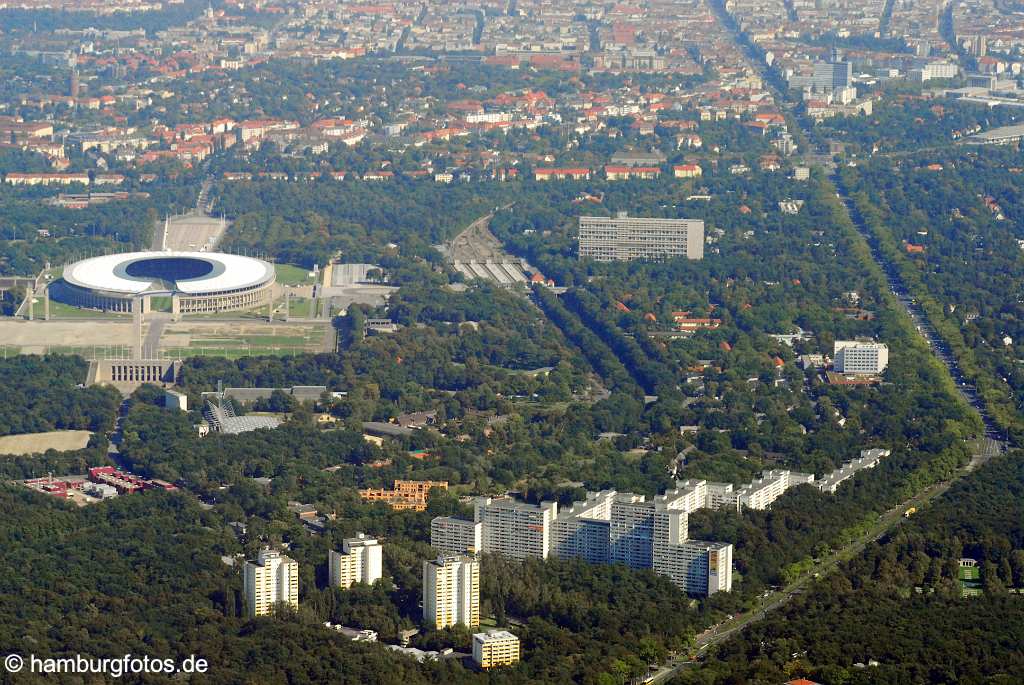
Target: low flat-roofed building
[(495, 648)]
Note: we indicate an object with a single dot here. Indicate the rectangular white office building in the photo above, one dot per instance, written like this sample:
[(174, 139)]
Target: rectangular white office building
[(860, 358), (622, 238)]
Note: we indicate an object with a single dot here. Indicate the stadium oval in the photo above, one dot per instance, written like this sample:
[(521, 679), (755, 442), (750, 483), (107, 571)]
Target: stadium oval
[(196, 282)]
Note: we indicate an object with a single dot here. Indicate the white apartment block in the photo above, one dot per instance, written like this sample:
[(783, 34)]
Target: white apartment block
[(451, 592), (450, 535), (271, 580), (761, 492), (513, 528), (638, 524), (700, 568), (360, 561), (622, 238), (631, 533), (615, 527), (721, 495), (860, 358), (495, 648), (868, 459), (582, 530)]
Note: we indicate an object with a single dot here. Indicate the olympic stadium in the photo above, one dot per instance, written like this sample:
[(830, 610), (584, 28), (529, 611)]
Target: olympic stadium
[(194, 282)]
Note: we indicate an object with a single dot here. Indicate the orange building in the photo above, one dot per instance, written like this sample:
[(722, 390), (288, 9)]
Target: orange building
[(406, 494)]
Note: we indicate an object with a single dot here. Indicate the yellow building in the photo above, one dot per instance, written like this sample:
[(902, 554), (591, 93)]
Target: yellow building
[(495, 648), (406, 494), (451, 592), (271, 580)]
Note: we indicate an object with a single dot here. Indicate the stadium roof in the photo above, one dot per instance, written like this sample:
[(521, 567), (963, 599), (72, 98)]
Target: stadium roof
[(227, 272), (234, 425)]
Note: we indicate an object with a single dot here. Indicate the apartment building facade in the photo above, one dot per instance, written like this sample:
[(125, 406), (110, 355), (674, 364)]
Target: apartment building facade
[(607, 527), (271, 580), (360, 561), (495, 648), (761, 492), (449, 535), (515, 529), (702, 568), (451, 592)]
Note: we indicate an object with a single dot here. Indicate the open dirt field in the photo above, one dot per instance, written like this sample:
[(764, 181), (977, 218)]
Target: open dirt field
[(34, 443), (39, 337)]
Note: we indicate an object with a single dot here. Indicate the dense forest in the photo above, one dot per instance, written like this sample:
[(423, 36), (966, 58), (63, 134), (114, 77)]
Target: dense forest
[(899, 604), (154, 574), (43, 394), (951, 222), (308, 223)]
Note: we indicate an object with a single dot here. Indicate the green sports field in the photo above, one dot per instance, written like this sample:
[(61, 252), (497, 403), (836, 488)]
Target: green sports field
[(289, 274)]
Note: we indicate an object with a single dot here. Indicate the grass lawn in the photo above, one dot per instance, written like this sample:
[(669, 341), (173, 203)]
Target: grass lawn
[(258, 313), (232, 352), (969, 573), (300, 307), (66, 311), (161, 303), (302, 340), (289, 274)]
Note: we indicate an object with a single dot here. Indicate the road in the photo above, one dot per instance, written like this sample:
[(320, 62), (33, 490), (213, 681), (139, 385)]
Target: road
[(194, 230), (115, 438), (991, 445), (918, 316), (204, 203), (151, 343)]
